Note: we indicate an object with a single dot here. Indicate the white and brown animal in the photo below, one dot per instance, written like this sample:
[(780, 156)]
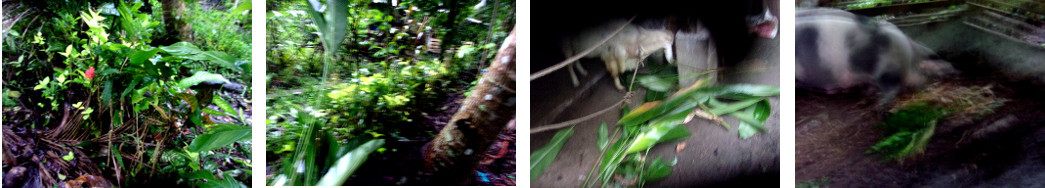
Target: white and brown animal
[(620, 53)]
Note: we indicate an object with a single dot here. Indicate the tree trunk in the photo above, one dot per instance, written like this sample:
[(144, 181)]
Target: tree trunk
[(451, 158), (174, 19), (449, 41)]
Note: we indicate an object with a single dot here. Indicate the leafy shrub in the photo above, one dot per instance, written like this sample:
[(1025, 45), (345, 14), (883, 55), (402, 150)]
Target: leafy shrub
[(100, 61)]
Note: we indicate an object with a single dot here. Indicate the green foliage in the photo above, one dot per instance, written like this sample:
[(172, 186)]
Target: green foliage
[(386, 98), (658, 169), (348, 163), (662, 119), (362, 70), (909, 130), (219, 136), (200, 77), (306, 163), (541, 158), (602, 141), (101, 60)]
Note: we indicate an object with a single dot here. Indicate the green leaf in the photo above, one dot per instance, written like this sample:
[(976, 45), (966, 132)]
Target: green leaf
[(657, 169), (541, 158), (651, 110), (317, 17), (140, 56), (733, 107), (746, 130), (221, 103), (200, 77), (43, 83), (220, 58), (752, 118), (68, 157), (656, 82), (762, 110), (181, 49), (227, 182), (654, 96), (656, 134), (219, 136), (213, 112), (201, 174), (347, 164), (68, 51), (244, 6), (612, 159), (602, 142), (115, 152), (741, 90), (134, 83), (107, 92)]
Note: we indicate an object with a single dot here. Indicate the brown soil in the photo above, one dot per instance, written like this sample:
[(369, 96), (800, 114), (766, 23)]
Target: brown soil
[(834, 131)]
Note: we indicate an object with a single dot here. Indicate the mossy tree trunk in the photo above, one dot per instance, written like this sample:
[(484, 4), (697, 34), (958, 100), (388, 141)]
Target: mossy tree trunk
[(451, 158), (174, 19)]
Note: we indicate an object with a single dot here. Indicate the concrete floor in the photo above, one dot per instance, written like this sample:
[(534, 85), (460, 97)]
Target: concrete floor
[(712, 156)]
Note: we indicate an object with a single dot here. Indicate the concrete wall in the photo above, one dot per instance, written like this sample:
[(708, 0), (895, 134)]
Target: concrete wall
[(1020, 60)]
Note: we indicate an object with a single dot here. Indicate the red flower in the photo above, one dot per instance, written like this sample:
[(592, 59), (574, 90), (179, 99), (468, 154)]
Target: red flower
[(90, 73)]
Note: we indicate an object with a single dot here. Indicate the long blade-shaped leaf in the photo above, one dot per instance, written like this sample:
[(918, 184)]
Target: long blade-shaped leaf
[(317, 17), (219, 136), (658, 133), (602, 142), (348, 163), (226, 182), (741, 90), (337, 23), (243, 6), (543, 157), (181, 48), (200, 77), (733, 107), (224, 105), (220, 58), (647, 112)]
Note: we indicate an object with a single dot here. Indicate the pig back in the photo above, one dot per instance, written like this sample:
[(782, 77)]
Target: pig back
[(837, 50)]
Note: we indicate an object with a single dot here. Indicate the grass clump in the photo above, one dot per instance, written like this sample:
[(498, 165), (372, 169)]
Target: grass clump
[(913, 121)]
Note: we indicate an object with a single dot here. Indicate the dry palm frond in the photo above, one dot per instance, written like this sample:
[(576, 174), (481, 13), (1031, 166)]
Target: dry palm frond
[(962, 100)]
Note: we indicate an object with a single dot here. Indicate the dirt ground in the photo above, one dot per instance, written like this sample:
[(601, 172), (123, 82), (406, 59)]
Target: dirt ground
[(833, 133), (713, 155)]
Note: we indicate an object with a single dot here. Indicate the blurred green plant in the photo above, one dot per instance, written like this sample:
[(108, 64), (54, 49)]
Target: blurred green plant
[(625, 160), (103, 66)]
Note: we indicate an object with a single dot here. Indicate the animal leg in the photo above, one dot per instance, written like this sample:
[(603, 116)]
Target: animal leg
[(581, 69), (573, 76)]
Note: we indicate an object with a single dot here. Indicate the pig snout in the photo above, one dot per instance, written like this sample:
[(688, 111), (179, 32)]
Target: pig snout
[(764, 25)]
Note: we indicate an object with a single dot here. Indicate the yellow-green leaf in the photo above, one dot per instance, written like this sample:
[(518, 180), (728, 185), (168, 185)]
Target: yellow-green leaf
[(68, 157)]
